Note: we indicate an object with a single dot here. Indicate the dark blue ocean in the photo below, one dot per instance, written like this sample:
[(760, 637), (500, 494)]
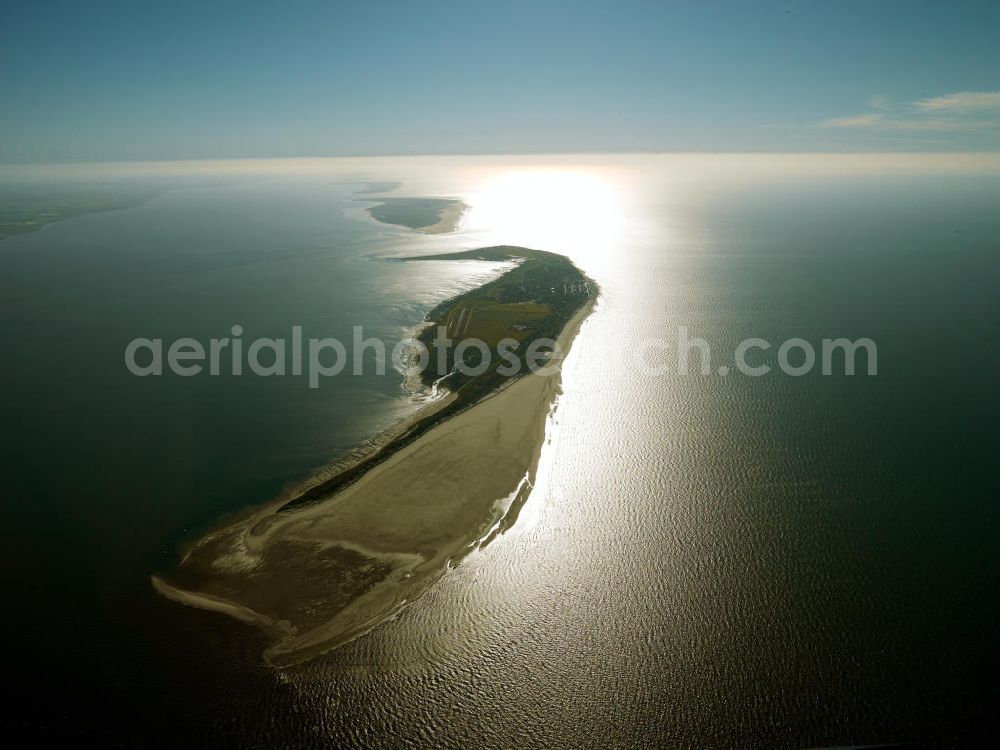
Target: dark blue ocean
[(707, 561)]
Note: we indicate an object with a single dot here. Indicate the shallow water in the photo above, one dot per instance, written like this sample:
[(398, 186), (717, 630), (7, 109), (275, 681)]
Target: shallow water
[(706, 562)]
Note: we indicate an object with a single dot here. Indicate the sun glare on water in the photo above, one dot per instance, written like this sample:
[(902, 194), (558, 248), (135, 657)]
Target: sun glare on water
[(571, 211)]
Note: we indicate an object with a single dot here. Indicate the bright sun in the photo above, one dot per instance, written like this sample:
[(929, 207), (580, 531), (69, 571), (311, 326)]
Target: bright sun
[(571, 211)]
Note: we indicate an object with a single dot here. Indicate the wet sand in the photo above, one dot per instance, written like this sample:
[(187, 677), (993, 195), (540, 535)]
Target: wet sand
[(449, 220), (320, 576)]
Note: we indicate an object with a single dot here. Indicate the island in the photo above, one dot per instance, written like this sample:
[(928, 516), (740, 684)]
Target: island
[(325, 563), (427, 215)]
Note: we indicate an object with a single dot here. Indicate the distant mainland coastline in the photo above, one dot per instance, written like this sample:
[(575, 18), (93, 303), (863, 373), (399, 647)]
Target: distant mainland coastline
[(30, 208)]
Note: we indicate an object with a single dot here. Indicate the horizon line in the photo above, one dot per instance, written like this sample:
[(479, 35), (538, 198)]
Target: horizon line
[(485, 154)]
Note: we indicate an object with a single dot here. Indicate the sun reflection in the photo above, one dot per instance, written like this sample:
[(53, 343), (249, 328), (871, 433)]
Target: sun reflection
[(576, 212)]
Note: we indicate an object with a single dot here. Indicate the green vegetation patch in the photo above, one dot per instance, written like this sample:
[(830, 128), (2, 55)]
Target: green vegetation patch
[(414, 213)]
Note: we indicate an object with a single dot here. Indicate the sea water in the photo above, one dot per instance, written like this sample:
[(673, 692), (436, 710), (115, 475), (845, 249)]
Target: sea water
[(706, 560)]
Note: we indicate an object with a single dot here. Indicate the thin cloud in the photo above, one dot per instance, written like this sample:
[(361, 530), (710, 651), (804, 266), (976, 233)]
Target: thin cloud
[(872, 119), (961, 112), (880, 102), (963, 101)]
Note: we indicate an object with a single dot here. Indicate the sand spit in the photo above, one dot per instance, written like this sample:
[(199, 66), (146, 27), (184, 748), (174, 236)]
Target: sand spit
[(320, 576), (449, 220)]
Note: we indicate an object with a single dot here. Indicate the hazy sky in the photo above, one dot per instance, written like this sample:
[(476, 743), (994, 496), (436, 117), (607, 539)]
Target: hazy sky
[(168, 80)]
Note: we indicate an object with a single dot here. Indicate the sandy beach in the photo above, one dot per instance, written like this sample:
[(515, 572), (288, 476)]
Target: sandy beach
[(322, 575), (450, 219)]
